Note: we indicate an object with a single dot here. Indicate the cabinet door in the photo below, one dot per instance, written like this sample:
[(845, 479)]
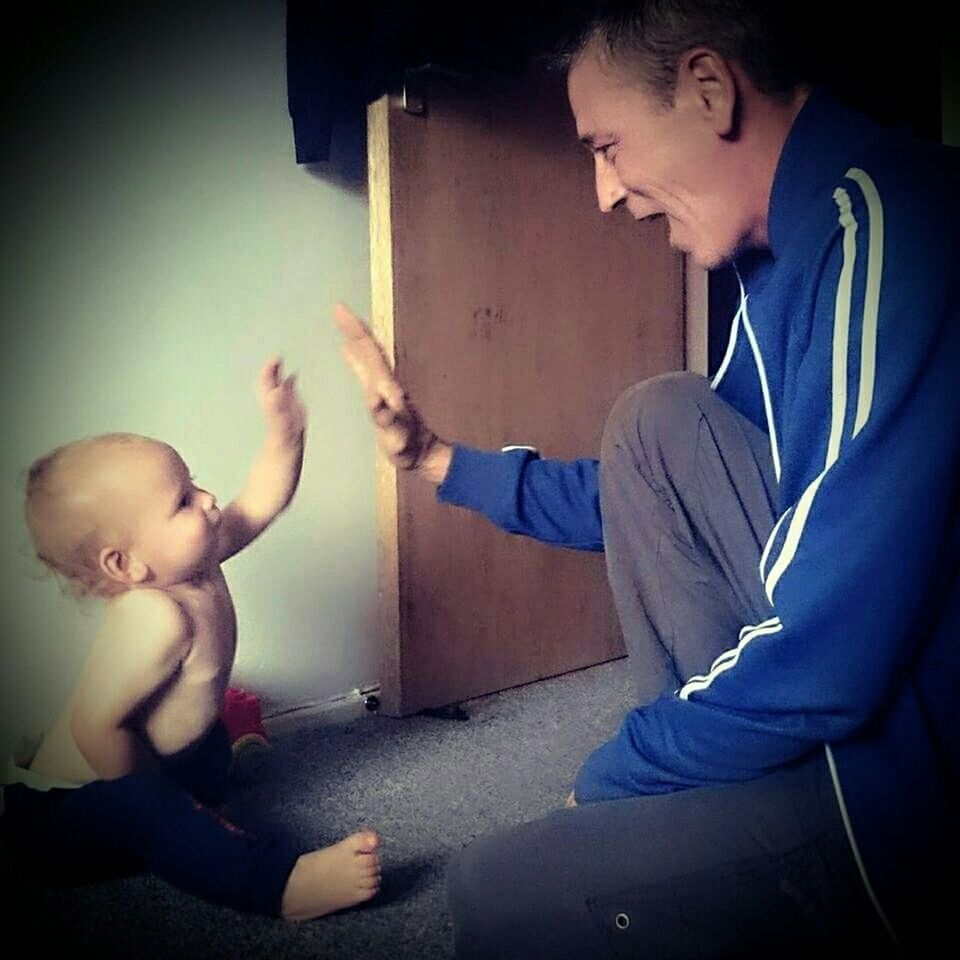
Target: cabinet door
[(515, 314)]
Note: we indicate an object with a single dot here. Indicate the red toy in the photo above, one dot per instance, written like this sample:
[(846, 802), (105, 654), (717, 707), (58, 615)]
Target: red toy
[(243, 718)]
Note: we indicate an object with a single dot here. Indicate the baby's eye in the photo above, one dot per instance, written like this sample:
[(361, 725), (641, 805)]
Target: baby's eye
[(184, 501)]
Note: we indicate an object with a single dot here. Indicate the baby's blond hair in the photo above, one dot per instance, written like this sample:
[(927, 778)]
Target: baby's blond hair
[(65, 521)]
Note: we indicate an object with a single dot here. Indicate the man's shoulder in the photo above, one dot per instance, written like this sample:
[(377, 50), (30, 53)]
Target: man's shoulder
[(897, 199), (916, 183)]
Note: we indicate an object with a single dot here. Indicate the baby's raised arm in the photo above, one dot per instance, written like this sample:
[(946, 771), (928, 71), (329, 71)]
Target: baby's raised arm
[(275, 473), (141, 646)]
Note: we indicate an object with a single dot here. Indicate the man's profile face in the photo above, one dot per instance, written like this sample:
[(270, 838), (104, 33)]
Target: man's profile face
[(656, 161)]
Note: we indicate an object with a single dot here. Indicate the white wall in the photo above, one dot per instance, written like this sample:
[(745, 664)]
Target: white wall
[(158, 242)]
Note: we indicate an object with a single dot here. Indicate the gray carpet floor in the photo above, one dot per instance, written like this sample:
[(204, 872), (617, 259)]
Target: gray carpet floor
[(427, 785)]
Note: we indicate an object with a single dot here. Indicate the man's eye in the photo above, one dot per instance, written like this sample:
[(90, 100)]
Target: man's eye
[(184, 502)]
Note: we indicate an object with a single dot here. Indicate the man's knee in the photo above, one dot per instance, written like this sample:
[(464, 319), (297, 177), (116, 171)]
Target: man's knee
[(656, 411)]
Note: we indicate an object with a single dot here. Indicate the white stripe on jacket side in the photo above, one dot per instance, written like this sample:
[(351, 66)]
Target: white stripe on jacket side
[(732, 340), (770, 542), (840, 348), (767, 404)]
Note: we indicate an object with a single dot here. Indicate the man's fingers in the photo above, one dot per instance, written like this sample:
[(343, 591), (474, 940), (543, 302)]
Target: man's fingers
[(349, 324), (364, 377), (366, 356), (366, 351), (396, 420), (361, 369), (375, 378), (381, 414), (393, 394)]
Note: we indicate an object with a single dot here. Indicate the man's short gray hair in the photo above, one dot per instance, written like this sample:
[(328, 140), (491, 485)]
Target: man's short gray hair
[(648, 38)]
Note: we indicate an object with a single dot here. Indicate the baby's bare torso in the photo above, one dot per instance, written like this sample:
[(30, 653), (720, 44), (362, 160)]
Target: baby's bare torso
[(187, 709), (181, 711)]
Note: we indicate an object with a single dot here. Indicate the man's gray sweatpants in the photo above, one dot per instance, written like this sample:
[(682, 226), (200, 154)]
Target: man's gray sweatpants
[(755, 869)]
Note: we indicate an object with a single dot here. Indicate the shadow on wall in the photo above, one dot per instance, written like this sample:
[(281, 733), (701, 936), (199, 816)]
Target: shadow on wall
[(347, 165)]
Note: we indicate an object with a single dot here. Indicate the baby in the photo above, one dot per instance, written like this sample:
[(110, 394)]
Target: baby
[(134, 770)]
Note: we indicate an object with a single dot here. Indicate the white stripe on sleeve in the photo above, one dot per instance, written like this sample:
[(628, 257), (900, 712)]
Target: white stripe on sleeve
[(729, 658), (841, 344), (871, 305)]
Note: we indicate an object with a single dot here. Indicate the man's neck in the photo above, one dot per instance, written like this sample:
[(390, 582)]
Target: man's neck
[(769, 127)]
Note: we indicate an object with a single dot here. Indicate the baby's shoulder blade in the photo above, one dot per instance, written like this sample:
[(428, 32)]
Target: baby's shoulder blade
[(152, 621)]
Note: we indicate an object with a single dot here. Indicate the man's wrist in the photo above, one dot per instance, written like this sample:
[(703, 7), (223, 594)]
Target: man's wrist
[(435, 464)]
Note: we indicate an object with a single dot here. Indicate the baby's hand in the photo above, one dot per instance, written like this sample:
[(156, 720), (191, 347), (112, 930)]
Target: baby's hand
[(282, 407)]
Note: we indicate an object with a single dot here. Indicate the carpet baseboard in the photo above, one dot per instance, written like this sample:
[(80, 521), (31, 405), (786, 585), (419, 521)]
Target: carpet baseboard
[(338, 708)]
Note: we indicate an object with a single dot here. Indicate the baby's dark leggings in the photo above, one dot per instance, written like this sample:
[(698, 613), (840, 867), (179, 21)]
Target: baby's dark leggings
[(163, 821)]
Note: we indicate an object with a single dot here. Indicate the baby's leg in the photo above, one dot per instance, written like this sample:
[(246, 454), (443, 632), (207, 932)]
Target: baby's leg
[(202, 770), (48, 842), (148, 819), (333, 878)]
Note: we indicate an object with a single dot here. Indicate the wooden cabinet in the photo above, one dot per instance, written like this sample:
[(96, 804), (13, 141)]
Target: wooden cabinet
[(515, 314)]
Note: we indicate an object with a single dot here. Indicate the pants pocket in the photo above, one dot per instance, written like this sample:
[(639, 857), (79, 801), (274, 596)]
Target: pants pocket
[(769, 906)]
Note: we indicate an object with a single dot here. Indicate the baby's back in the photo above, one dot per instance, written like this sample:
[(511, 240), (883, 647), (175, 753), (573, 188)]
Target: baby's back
[(153, 683)]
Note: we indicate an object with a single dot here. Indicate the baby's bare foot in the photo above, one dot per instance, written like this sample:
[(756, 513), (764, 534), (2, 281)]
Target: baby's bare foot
[(336, 877)]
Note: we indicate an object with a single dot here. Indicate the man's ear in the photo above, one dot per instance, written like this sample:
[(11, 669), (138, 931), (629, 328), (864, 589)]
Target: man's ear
[(706, 83), (121, 567)]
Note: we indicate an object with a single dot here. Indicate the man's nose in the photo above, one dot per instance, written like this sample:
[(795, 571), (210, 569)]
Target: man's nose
[(610, 191)]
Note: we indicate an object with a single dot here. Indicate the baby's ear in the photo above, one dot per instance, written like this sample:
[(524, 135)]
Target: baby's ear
[(121, 567)]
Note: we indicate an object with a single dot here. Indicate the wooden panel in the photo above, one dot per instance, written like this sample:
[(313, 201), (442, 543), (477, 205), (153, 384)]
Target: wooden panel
[(519, 314), (382, 322), (696, 299)]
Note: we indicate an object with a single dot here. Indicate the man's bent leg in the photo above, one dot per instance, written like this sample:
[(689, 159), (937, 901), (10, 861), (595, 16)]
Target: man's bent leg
[(687, 493), (749, 870)]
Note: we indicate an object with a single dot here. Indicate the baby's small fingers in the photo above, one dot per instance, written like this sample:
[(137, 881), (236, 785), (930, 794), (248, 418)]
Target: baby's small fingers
[(270, 374)]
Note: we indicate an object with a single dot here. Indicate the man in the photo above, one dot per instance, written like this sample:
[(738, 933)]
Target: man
[(782, 543)]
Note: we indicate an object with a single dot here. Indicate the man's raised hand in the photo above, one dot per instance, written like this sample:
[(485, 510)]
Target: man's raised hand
[(401, 432)]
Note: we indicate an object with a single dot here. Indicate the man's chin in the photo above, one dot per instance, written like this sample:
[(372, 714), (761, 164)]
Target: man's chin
[(707, 259), (684, 247), (697, 257)]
